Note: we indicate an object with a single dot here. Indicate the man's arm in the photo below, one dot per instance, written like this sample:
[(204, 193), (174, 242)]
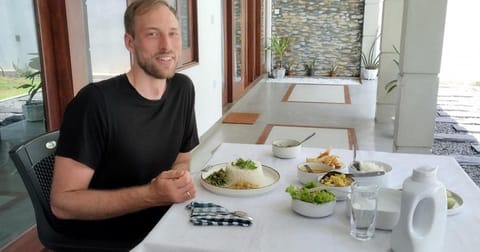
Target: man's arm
[(71, 198), (182, 162)]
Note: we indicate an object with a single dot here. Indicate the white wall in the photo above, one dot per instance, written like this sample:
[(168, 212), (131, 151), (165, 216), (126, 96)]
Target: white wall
[(208, 74)]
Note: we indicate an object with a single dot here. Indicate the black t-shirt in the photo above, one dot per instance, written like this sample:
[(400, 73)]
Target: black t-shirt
[(128, 140)]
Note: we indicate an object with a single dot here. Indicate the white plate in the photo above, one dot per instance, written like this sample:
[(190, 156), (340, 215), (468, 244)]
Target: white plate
[(459, 206), (271, 180)]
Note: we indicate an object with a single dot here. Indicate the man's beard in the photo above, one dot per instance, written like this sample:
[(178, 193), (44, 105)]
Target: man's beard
[(149, 67)]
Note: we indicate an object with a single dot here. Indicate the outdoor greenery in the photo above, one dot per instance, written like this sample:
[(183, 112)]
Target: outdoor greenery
[(33, 75), (8, 86)]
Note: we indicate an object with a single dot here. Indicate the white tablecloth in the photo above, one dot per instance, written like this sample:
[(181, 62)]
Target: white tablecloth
[(277, 228)]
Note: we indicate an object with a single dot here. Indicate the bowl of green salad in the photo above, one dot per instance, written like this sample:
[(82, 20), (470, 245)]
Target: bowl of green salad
[(311, 201)]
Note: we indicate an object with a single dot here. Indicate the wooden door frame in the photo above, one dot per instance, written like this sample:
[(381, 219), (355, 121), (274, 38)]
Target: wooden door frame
[(252, 67)]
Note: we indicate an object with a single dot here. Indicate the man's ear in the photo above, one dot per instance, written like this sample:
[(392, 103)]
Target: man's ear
[(129, 41)]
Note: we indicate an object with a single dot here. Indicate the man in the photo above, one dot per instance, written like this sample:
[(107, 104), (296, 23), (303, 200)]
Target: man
[(124, 149)]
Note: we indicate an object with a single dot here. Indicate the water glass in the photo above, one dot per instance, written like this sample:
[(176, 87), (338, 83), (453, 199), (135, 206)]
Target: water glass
[(363, 210)]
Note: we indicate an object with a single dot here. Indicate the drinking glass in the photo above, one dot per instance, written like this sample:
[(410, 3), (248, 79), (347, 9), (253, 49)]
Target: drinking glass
[(363, 207)]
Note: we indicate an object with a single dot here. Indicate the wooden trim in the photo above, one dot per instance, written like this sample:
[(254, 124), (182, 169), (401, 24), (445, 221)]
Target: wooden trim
[(55, 59), (288, 93)]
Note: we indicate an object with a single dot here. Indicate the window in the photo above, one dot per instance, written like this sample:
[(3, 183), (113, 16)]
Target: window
[(187, 15)]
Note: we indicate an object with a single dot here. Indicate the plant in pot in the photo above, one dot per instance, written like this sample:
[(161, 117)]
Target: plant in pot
[(289, 69), (279, 46), (333, 69), (32, 109), (310, 68), (371, 62)]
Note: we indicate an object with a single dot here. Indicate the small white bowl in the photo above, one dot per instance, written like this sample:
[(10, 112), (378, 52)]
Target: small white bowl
[(319, 170), (380, 180), (286, 148), (313, 210)]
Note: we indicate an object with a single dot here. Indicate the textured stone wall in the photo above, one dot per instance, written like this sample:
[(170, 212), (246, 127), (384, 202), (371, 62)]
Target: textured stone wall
[(327, 31)]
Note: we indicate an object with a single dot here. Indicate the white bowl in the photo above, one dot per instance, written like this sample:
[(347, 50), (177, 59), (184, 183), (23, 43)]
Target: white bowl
[(319, 170), (286, 148), (341, 192), (380, 180), (313, 210), (388, 208)]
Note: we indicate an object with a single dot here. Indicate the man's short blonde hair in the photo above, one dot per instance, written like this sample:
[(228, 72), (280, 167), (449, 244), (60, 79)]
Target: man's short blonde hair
[(140, 7)]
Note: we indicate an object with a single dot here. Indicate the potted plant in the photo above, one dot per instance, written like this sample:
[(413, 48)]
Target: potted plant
[(279, 46), (371, 62), (310, 68), (32, 109), (289, 69), (333, 69)]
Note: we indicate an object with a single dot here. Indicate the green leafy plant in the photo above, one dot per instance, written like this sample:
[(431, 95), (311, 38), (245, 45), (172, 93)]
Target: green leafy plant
[(333, 66), (31, 73), (309, 67), (391, 85), (280, 45), (372, 59)]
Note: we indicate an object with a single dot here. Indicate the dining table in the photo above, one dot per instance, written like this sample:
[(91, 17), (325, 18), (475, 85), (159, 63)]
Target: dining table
[(277, 228)]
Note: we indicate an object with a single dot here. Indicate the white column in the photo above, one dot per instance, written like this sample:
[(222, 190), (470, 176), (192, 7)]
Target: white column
[(420, 58), (388, 70)]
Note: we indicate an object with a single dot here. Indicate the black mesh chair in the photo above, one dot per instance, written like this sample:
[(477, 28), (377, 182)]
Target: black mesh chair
[(34, 160)]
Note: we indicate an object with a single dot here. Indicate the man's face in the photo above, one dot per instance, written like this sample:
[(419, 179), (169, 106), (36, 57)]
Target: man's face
[(157, 44)]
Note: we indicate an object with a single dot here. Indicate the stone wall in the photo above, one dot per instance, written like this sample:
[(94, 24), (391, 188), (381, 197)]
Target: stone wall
[(326, 31)]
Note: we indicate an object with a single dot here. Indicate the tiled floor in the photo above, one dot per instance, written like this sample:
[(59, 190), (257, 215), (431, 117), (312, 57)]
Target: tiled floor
[(264, 98)]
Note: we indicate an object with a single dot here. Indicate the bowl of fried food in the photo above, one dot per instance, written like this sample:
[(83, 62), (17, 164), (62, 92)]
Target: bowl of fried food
[(337, 182), (327, 159), (307, 172), (311, 201)]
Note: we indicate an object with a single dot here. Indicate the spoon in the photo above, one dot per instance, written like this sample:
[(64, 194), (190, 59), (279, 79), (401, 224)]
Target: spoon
[(237, 213), (363, 174), (304, 140), (355, 163), (309, 169)]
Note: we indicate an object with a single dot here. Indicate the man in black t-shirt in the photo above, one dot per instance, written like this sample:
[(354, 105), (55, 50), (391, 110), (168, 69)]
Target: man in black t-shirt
[(123, 154)]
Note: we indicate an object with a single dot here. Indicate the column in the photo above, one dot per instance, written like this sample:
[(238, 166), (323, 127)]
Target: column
[(420, 59)]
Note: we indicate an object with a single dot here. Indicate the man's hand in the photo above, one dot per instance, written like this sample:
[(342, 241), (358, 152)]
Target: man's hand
[(173, 186)]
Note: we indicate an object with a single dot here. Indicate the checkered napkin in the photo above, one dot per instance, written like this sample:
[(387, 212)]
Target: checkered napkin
[(209, 214)]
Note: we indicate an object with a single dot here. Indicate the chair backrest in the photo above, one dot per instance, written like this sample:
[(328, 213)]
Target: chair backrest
[(34, 160)]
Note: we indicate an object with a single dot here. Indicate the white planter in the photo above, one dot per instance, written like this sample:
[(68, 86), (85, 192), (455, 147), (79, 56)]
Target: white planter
[(33, 112), (279, 73), (370, 74)]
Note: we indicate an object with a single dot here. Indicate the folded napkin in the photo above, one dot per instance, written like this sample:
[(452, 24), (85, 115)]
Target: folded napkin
[(209, 214)]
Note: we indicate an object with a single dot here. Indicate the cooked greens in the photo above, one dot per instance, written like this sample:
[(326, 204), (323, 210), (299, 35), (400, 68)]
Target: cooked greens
[(218, 178), (245, 164), (306, 194)]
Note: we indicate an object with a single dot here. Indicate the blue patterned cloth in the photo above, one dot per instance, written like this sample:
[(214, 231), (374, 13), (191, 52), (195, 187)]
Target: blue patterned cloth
[(209, 214)]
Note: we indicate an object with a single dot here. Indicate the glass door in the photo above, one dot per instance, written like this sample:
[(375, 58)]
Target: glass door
[(21, 109)]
